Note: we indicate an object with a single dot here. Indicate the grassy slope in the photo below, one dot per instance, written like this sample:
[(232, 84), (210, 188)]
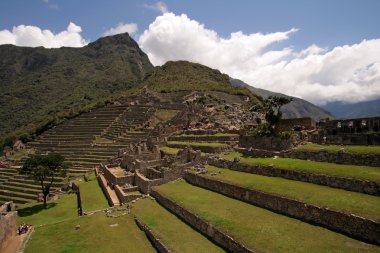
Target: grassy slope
[(351, 202), (167, 226), (350, 171), (92, 195), (171, 151), (94, 235), (187, 76), (258, 228), (203, 144), (357, 150)]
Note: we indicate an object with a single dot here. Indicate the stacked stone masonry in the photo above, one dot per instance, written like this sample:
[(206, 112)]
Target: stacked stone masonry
[(356, 185), (349, 224)]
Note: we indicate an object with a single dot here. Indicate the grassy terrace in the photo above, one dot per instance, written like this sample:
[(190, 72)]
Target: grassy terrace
[(171, 151), (350, 171), (60, 210), (257, 228), (357, 150), (174, 233), (200, 144), (351, 202), (96, 234), (92, 195)]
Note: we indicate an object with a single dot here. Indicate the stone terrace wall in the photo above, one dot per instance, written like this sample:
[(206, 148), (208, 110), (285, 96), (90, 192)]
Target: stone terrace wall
[(157, 243), (348, 139), (145, 185), (288, 124), (206, 149), (325, 156), (356, 185), (205, 138), (349, 224), (266, 143), (8, 225), (318, 156), (123, 197), (199, 224)]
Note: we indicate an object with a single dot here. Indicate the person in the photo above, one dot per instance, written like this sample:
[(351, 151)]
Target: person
[(324, 139)]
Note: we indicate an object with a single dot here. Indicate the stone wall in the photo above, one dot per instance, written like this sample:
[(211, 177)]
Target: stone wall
[(145, 185), (340, 158), (202, 226), (349, 224), (347, 139), (125, 197), (157, 243), (356, 185), (205, 138), (8, 224), (289, 124), (266, 143), (205, 149), (319, 156), (103, 184)]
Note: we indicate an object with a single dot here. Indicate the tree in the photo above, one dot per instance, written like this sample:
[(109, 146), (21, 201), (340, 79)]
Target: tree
[(44, 168), (271, 106)]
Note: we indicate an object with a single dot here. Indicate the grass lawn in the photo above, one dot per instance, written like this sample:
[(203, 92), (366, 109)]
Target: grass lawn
[(174, 233), (342, 170), (203, 144), (336, 199), (357, 150), (257, 228), (92, 195), (95, 235), (171, 151), (62, 209)]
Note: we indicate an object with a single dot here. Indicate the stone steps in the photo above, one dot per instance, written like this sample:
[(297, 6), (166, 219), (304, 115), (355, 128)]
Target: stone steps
[(16, 200), (18, 194)]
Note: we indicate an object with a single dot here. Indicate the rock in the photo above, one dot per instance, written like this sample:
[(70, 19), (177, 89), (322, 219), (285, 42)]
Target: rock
[(114, 225), (77, 227), (236, 159)]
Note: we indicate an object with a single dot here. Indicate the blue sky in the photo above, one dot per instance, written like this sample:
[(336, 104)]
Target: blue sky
[(325, 22), (323, 51)]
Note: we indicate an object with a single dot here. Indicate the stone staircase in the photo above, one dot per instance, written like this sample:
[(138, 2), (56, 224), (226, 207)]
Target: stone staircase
[(20, 188)]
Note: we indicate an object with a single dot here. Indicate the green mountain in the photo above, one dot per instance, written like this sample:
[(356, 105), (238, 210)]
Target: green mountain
[(298, 108), (39, 86), (187, 76)]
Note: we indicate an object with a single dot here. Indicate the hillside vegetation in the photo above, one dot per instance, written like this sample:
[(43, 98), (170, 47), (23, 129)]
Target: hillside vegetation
[(188, 76), (40, 86)]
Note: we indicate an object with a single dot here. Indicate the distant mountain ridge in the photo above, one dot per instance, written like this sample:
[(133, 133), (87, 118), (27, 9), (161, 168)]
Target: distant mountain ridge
[(355, 110), (298, 108)]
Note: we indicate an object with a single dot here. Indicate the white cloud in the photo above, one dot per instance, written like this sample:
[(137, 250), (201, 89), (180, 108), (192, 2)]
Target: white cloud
[(50, 5), (350, 73), (159, 6), (33, 36), (121, 28)]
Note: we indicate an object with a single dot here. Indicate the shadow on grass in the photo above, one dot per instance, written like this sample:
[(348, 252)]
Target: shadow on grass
[(27, 211)]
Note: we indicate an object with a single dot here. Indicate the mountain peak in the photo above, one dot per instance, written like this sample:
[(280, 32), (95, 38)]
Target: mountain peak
[(118, 39)]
